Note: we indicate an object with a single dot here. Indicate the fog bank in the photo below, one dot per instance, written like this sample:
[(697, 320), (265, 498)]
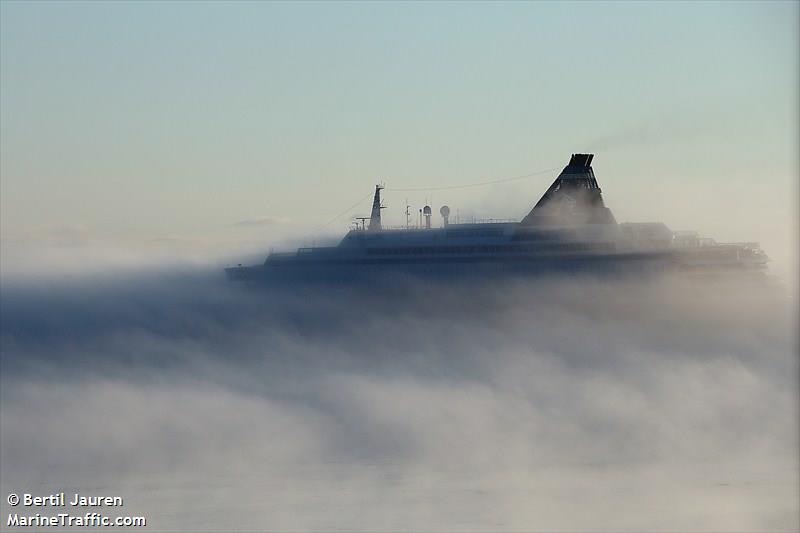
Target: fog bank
[(565, 404)]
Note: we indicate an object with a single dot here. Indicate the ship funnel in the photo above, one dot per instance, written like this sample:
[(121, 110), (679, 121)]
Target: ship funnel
[(573, 199)]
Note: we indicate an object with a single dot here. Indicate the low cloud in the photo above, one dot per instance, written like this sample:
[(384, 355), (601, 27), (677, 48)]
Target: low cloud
[(553, 404), (261, 222)]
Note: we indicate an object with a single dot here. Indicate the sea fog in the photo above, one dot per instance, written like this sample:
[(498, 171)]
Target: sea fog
[(555, 404)]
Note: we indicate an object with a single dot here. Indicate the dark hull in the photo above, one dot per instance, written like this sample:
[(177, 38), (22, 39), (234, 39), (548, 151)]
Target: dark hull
[(366, 270)]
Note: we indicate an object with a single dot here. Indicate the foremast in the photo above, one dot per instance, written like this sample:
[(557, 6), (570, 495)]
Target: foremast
[(375, 216)]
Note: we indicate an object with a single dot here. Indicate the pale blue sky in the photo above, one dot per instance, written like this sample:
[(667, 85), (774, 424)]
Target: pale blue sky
[(158, 119)]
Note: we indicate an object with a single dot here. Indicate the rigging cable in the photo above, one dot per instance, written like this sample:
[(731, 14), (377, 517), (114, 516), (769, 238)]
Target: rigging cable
[(445, 188), (348, 209), (478, 184)]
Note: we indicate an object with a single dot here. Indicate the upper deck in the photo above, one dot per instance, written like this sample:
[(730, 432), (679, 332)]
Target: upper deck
[(570, 219)]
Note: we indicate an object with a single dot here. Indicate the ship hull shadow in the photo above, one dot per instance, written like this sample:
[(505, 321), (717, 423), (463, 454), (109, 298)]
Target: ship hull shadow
[(365, 271)]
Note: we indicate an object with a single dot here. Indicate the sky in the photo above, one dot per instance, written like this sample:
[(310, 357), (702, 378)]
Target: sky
[(171, 123)]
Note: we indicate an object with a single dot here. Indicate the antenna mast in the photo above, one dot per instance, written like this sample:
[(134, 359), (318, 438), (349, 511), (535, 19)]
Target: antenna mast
[(375, 216)]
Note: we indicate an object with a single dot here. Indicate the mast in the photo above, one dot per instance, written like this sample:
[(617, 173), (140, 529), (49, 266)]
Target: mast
[(375, 216)]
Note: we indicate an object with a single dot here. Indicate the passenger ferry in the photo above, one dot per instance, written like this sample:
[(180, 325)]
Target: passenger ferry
[(569, 231)]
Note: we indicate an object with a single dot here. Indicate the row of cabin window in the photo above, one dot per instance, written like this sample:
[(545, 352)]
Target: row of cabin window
[(540, 236), (462, 233), (450, 234), (557, 247)]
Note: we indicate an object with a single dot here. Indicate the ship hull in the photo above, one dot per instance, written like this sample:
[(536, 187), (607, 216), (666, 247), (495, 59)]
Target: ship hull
[(443, 269)]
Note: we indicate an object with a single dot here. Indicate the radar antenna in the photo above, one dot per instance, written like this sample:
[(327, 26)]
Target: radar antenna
[(363, 220), (445, 212)]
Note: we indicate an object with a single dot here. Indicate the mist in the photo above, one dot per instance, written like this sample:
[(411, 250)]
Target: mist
[(557, 404)]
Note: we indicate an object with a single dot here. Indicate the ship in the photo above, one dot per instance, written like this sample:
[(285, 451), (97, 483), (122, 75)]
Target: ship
[(569, 231)]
